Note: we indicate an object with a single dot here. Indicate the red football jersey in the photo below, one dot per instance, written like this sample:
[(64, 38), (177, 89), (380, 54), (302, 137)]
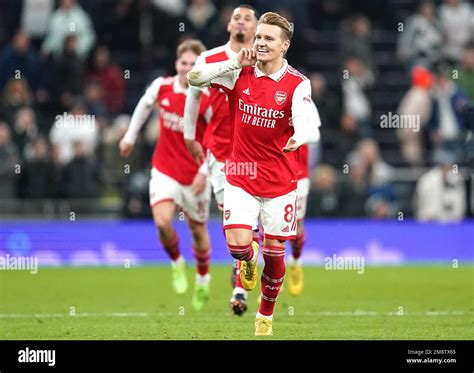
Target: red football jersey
[(261, 109), (218, 133), (171, 156)]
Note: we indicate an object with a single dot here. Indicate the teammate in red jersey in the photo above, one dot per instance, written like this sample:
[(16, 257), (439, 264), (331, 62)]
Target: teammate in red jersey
[(242, 28), (273, 115), (176, 179)]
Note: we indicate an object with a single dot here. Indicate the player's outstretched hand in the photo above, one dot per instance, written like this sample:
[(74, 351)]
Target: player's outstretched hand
[(125, 148), (247, 57), (291, 145), (196, 151), (199, 183)]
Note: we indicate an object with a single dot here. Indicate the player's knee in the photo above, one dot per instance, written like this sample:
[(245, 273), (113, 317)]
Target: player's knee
[(163, 224), (236, 239)]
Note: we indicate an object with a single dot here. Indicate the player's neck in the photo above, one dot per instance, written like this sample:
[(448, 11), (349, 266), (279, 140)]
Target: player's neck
[(270, 67), (182, 84)]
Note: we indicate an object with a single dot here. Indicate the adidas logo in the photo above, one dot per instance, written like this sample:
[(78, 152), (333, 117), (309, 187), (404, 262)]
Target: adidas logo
[(286, 229), (246, 91)]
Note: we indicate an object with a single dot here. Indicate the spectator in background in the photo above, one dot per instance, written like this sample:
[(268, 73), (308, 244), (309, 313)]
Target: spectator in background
[(357, 79), (80, 177), (20, 60), (346, 139), (199, 15), (79, 126), (38, 177), (420, 42), (94, 99), (465, 78), (457, 25), (354, 188), (9, 158), (355, 40), (324, 196), (16, 94), (119, 26), (326, 100), (110, 78), (379, 206), (24, 128), (69, 19), (175, 8), (67, 74), (381, 203), (441, 193), (416, 103), (447, 122), (35, 17), (379, 173), (112, 161)]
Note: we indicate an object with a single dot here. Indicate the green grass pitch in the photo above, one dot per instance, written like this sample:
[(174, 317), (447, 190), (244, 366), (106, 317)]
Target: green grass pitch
[(407, 302)]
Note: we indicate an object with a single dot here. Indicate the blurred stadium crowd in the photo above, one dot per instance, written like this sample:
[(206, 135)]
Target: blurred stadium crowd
[(366, 60)]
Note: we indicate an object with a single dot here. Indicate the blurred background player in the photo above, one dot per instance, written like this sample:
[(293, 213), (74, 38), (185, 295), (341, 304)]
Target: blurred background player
[(217, 139), (270, 104), (176, 180)]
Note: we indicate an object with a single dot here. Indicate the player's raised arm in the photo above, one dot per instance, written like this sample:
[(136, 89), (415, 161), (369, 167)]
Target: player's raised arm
[(305, 118), (224, 73), (191, 113), (139, 116)]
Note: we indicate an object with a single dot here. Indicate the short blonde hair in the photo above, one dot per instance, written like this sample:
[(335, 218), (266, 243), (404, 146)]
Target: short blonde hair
[(275, 19), (193, 45)]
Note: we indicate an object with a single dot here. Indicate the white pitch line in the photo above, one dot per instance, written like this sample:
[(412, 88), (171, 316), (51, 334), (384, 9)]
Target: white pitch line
[(372, 313), (173, 314)]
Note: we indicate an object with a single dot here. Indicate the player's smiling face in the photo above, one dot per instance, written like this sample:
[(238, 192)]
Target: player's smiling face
[(183, 65), (242, 25), (269, 43)]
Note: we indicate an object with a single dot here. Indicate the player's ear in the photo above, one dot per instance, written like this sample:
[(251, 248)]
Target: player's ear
[(286, 45), (228, 27)]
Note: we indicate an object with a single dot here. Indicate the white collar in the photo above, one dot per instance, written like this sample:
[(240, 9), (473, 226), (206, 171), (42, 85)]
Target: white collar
[(177, 87), (228, 50), (275, 76)]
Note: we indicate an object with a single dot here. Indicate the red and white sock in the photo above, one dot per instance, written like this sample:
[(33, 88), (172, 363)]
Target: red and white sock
[(202, 260), (237, 283), (272, 278), (244, 252), (172, 246)]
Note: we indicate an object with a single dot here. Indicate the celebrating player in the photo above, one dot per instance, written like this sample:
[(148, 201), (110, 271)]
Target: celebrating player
[(241, 27), (176, 180), (273, 114)]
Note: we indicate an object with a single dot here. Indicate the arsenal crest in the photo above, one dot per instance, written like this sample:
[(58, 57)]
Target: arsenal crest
[(280, 97), (227, 214)]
